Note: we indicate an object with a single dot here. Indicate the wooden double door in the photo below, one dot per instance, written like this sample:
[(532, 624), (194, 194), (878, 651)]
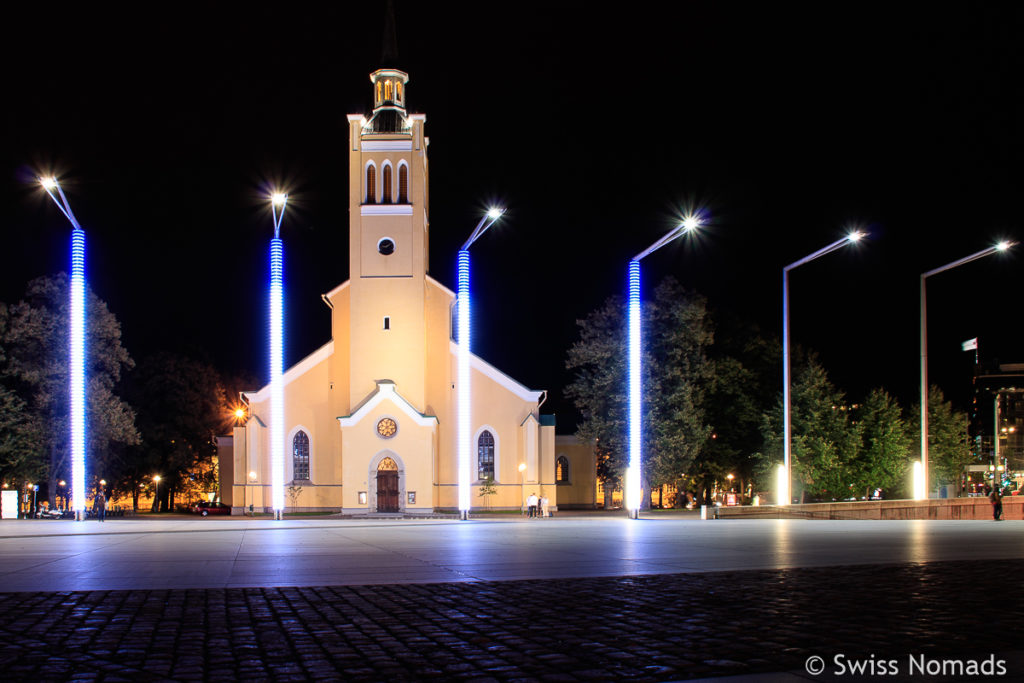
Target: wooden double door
[(387, 491)]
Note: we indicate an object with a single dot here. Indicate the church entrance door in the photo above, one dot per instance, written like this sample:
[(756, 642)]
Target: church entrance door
[(387, 486)]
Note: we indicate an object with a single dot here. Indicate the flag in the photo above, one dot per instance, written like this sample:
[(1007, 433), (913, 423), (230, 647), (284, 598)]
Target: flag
[(970, 345)]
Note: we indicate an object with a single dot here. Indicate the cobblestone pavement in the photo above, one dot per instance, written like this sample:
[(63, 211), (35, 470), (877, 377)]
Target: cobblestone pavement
[(642, 628)]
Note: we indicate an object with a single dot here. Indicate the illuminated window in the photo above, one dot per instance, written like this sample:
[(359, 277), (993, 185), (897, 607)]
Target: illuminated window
[(485, 456), (403, 184), (562, 470), (387, 89), (371, 184), (398, 91), (300, 456), (386, 194), (377, 96)]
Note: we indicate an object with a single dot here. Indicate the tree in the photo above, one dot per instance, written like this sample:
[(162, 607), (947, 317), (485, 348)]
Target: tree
[(677, 331), (487, 489), (824, 441), (948, 442), (35, 337), (181, 407), (885, 449)]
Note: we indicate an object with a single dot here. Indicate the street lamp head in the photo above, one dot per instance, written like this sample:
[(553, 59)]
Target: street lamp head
[(1004, 245), (279, 199), (495, 213), (522, 467), (48, 183), (855, 236), (252, 476), (239, 413), (690, 223), (156, 478)]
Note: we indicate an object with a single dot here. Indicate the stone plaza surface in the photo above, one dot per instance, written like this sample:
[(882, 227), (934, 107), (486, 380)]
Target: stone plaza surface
[(570, 598)]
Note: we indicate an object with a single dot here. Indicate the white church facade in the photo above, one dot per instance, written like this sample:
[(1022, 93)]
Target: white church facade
[(371, 416)]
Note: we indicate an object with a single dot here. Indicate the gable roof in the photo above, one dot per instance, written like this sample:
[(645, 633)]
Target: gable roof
[(386, 390)]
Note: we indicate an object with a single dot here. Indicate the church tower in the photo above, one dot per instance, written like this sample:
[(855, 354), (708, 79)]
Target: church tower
[(388, 243)]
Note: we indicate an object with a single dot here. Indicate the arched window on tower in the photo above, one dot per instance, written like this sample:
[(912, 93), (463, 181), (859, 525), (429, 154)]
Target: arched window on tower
[(371, 184), (485, 456), (403, 184), (376, 99), (562, 470), (386, 194), (398, 91), (387, 89), (300, 457)]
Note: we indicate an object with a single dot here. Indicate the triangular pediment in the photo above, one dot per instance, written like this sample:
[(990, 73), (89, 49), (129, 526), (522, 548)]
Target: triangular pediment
[(386, 391)]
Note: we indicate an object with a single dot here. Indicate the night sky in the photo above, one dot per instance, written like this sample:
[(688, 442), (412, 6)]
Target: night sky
[(596, 130)]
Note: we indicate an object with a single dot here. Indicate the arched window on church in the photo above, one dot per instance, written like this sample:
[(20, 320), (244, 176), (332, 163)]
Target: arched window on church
[(403, 184), (485, 456), (386, 194), (300, 457), (562, 470), (371, 184)]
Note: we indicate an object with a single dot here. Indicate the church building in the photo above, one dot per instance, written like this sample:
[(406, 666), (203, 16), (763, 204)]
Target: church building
[(370, 417)]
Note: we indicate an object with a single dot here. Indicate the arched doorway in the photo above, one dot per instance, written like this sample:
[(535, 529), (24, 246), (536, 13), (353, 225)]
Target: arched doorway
[(387, 486)]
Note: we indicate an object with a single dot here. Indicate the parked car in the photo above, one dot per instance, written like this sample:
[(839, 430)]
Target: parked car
[(203, 508)]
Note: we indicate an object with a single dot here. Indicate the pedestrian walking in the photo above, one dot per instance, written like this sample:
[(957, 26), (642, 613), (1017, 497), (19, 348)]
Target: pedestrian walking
[(101, 506), (531, 505), (997, 504)]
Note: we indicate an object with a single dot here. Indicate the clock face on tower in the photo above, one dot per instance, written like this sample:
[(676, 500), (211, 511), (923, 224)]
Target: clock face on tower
[(386, 428)]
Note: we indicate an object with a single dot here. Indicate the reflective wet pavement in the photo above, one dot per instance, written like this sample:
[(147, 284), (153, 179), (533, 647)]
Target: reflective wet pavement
[(654, 600)]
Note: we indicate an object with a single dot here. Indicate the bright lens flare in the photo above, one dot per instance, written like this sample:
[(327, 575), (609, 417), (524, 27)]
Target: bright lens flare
[(690, 223), (855, 236), (48, 183), (279, 198), (495, 213), (1004, 245)]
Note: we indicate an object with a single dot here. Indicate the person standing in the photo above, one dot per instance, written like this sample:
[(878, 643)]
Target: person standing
[(531, 505), (543, 506), (101, 506), (997, 503)]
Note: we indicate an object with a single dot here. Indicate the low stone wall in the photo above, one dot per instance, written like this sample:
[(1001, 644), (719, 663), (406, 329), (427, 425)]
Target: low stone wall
[(936, 508)]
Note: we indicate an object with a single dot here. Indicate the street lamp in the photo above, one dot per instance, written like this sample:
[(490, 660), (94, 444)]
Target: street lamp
[(252, 480), (464, 400), (921, 474), (634, 488), (156, 494), (76, 364), (785, 480), (278, 202)]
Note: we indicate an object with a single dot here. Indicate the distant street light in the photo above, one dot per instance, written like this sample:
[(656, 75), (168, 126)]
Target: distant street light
[(156, 493), (464, 304), (76, 363), (921, 486), (786, 480), (278, 202), (634, 485)]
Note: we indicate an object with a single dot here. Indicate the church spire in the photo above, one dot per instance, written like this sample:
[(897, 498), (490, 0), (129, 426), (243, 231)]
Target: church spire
[(389, 44)]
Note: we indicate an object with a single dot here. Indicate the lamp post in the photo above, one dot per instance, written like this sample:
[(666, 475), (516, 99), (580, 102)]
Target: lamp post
[(76, 364), (464, 400), (785, 478), (156, 494), (278, 201), (921, 471), (634, 487), (252, 480)]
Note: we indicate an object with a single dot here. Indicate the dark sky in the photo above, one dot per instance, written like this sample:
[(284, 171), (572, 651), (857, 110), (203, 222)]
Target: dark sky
[(786, 126)]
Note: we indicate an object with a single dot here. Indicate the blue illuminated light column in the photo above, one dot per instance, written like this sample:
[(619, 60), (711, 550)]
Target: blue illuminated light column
[(464, 392), (464, 399), (634, 471), (634, 488), (277, 434), (76, 361), (784, 480)]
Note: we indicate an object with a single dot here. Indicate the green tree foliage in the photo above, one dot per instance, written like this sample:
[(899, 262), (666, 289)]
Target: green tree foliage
[(744, 382), (886, 446), (35, 339), (676, 332), (824, 441), (181, 407), (948, 442)]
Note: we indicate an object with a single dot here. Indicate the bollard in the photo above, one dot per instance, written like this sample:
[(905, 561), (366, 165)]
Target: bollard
[(704, 509)]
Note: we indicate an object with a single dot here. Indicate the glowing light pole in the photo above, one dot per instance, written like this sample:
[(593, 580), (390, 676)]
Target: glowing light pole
[(785, 479), (278, 201), (634, 486), (464, 400), (921, 469), (76, 364)]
